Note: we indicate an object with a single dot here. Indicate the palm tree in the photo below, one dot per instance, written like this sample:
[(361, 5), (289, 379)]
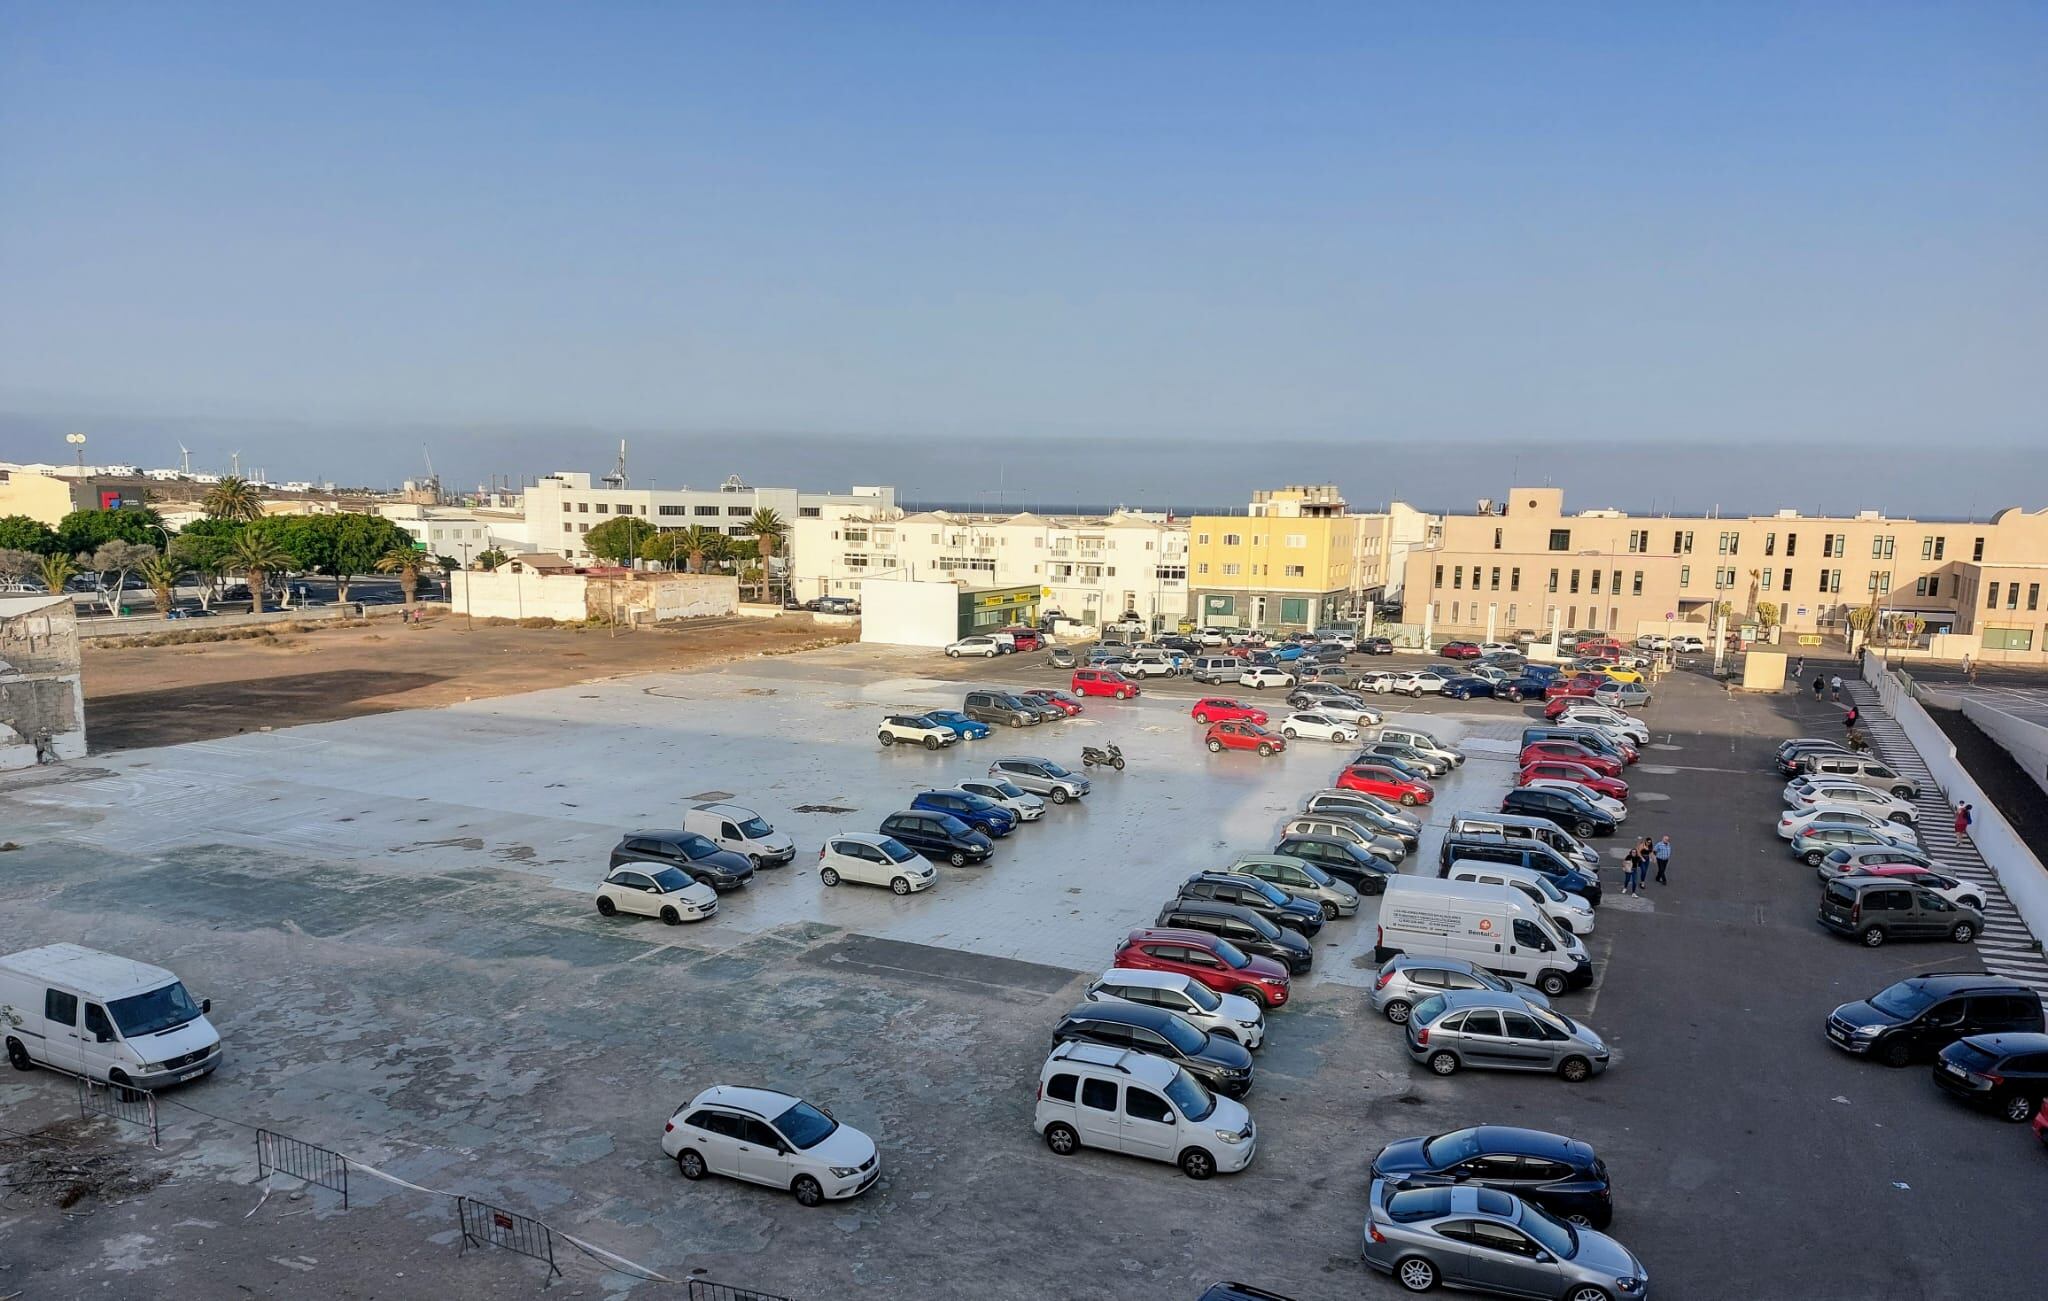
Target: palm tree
[(233, 499), (162, 575), (697, 542), (57, 570), (769, 531), (408, 564), (258, 558)]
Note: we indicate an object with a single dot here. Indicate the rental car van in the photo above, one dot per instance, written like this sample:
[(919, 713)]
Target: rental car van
[(1491, 926)]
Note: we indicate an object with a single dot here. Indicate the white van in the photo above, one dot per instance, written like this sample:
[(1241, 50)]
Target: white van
[(1122, 1100), (1520, 826), (89, 1013), (742, 831), (1490, 926), (1568, 912), (1422, 742)]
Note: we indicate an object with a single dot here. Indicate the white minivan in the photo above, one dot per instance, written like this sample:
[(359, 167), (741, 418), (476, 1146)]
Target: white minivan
[(1122, 1100), (106, 1017), (1491, 926), (742, 831), (1568, 912)]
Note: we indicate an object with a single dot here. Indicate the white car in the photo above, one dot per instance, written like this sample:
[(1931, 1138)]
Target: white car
[(1607, 804), (1149, 667), (1027, 807), (1348, 710), (1689, 645), (1653, 641), (1953, 889), (771, 1138), (1635, 729), (1798, 821), (1499, 648), (1379, 681), (915, 729), (1422, 682), (1230, 1015), (987, 647), (1803, 795), (1263, 676), (1139, 1105), (665, 892), (1212, 637), (1317, 727), (873, 859)]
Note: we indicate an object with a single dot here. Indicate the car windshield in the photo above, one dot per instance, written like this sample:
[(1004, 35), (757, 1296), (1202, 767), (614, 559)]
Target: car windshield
[(1009, 789), (1231, 955), (896, 850), (1906, 999), (1549, 891), (805, 1126), (1202, 996), (755, 828), (951, 825), (1189, 1097), (1184, 1036), (159, 1009), (1054, 770), (1557, 1020), (1557, 1237), (1491, 981), (1269, 893), (670, 880), (1449, 1149), (695, 846)]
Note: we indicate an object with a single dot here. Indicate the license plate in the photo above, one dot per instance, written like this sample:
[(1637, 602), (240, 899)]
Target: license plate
[(1838, 1035), (1954, 1069), (190, 1075)]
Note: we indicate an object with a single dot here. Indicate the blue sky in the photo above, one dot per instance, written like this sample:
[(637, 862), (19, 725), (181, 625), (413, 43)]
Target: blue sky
[(1352, 223)]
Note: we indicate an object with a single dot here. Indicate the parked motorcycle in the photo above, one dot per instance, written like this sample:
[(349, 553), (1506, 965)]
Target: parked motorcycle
[(1091, 757)]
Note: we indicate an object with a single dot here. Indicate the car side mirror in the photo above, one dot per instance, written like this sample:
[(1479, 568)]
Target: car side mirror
[(651, 889), (1543, 1258), (105, 1036), (205, 1006)]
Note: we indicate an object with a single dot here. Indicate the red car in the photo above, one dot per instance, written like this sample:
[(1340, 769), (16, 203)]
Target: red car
[(1211, 959), (1598, 650), (1027, 639), (1059, 700), (2041, 1124), (1103, 682), (1569, 752), (1460, 650), (1574, 771), (1242, 734), (1561, 693), (1388, 784), (1216, 709)]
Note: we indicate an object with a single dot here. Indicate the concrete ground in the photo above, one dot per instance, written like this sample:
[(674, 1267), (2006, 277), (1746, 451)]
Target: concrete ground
[(392, 915)]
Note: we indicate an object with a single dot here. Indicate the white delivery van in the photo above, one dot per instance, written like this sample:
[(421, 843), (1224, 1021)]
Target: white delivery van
[(110, 1018), (1491, 926), (1568, 912), (742, 831)]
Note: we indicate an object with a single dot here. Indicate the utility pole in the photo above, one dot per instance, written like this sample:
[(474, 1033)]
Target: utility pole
[(78, 441), (468, 608)]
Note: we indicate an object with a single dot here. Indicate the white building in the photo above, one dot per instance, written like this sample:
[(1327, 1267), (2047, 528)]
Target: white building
[(1384, 540), (42, 696), (564, 506), (1090, 569), (464, 532)]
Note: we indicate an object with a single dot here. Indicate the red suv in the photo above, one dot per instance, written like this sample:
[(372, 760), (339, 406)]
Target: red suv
[(1571, 770), (1239, 734), (1215, 709), (1569, 752), (1103, 682), (1460, 650), (1027, 639), (1211, 959), (1376, 779)]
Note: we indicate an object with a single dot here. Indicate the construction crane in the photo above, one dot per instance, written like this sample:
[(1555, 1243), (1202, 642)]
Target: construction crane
[(617, 478), (432, 483)]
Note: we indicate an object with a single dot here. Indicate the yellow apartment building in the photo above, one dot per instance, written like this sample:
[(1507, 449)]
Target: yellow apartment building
[(1290, 561)]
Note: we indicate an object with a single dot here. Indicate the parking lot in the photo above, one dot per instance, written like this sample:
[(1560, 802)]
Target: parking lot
[(393, 917)]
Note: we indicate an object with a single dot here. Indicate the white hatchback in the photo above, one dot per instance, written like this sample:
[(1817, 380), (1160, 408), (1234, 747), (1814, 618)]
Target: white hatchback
[(1317, 727), (1027, 807), (668, 893), (873, 859), (1262, 676), (1609, 720), (771, 1138)]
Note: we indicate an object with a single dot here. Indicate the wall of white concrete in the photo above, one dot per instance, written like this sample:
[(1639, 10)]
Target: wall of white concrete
[(502, 594), (899, 613), (2026, 742)]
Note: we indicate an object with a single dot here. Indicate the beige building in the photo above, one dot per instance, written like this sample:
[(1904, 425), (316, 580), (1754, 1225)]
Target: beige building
[(1524, 564)]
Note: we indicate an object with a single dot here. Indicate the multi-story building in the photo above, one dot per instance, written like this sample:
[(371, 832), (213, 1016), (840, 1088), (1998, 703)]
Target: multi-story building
[(1091, 569), (1384, 540), (464, 532), (1290, 561), (1524, 564), (562, 507)]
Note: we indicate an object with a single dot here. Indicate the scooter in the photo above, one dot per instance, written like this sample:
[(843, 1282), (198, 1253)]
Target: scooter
[(1094, 758)]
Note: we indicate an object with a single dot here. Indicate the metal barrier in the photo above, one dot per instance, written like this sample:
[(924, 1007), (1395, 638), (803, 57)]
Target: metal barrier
[(282, 1154), (485, 1225), (122, 1102), (702, 1290)]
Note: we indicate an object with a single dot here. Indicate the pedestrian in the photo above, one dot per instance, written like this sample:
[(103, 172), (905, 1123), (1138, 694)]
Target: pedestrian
[(1663, 852), (1799, 668), (1819, 685), (1835, 687), (1849, 719), (1629, 867), (1963, 819)]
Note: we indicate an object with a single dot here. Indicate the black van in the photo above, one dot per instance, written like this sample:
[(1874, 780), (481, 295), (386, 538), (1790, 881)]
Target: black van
[(1922, 1015), (1472, 847)]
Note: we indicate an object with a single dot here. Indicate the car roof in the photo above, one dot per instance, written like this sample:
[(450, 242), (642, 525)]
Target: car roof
[(874, 838), (98, 975), (1124, 1013), (2016, 1041), (657, 833), (1956, 982), (1170, 935), (1146, 977), (726, 810), (765, 1103), (1530, 1142), (1142, 1067), (1459, 998), (1404, 961)]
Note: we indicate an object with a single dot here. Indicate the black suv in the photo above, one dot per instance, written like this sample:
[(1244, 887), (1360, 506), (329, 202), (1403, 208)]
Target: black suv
[(721, 869), (1920, 1016), (1561, 807), (1242, 927), (2005, 1073), (1559, 1174), (1225, 1065), (1268, 901)]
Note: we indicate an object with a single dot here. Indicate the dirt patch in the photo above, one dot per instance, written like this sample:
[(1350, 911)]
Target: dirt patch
[(73, 1165), (144, 695)]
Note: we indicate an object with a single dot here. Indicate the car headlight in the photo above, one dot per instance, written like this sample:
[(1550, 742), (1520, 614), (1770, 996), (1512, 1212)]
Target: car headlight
[(1229, 1136), (1629, 1284), (845, 1171), (1867, 1031)]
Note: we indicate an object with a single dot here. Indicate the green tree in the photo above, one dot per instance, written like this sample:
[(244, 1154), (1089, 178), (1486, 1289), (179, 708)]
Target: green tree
[(698, 542), (408, 564), (1767, 614), (769, 532), (114, 561), (339, 547), (87, 530), (258, 557), (162, 575), (22, 533), (618, 540), (234, 500), (1725, 609), (206, 547), (57, 570), (492, 558)]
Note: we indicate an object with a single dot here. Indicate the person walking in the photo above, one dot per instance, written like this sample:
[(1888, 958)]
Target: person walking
[(1663, 853), (1835, 687), (1631, 868), (1820, 684), (1849, 719), (1963, 820), (1799, 668)]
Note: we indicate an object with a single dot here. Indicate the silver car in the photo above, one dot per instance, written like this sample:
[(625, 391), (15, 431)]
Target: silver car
[(1003, 791), (1503, 1032), (1485, 1240), (1816, 843), (1302, 879), (1427, 764), (1041, 776), (1408, 978), (1230, 1015)]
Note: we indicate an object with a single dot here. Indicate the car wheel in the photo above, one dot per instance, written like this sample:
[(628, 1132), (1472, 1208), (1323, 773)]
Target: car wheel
[(605, 907), (1202, 718), (1062, 1140), (807, 1190), (1408, 798), (901, 885), (1265, 748), (2019, 1108), (1551, 983), (123, 1092), (1581, 1219), (1196, 1163), (1813, 857), (1582, 829), (1873, 936), (1588, 1292), (1016, 720), (671, 916), (690, 1164), (1215, 746), (1059, 795), (1964, 932), (957, 859), (952, 654), (1329, 911), (1901, 817), (1123, 695), (1575, 1070), (1290, 734), (1415, 1274), (828, 876), (17, 1055), (1255, 994), (1397, 1011), (1444, 1063), (1894, 1051), (1415, 693), (1972, 901)]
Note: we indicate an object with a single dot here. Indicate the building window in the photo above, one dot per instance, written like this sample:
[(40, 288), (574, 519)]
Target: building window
[(1764, 581), (1791, 545), (1977, 551), (583, 507), (1638, 541), (1553, 580), (1515, 579), (2033, 596), (1457, 575), (567, 527), (1297, 541), (1294, 609), (2009, 639), (2012, 596), (1495, 584), (1496, 539), (1685, 575), (1294, 571), (1201, 539), (803, 512), (1927, 548), (1596, 582), (1881, 547), (1170, 573), (1202, 568), (1511, 614), (713, 510), (583, 528), (1439, 577), (1231, 571), (1454, 612), (1575, 581), (1614, 583), (1991, 596), (1233, 539), (1638, 584), (1840, 544), (1770, 544), (1560, 539), (1940, 545), (671, 510), (1681, 542), (1834, 580)]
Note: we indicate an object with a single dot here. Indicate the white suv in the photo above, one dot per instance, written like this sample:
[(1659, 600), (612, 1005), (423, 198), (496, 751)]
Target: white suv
[(1091, 1095), (1229, 1015), (770, 1138), (915, 729)]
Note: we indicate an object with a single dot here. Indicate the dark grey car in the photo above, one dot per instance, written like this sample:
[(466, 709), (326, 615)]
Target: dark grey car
[(1220, 1062)]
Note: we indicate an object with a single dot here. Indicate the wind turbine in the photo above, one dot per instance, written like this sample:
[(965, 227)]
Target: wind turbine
[(184, 461)]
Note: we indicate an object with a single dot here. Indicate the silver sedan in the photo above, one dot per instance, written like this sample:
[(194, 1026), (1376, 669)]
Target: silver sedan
[(1486, 1240)]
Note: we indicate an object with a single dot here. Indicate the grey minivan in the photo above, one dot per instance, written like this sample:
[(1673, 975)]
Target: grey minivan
[(1000, 708), (1879, 908), (1483, 1029)]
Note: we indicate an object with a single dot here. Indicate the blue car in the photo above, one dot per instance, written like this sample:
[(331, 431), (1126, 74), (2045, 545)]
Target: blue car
[(969, 729), (1290, 652), (1466, 687), (982, 814)]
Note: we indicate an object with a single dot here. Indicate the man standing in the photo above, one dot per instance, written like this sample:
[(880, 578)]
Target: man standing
[(1835, 687), (1963, 821), (1663, 853)]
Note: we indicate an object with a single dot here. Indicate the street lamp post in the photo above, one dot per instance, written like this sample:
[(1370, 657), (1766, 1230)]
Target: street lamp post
[(78, 441)]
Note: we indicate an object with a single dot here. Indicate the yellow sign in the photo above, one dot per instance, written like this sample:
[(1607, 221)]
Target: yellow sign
[(1808, 639)]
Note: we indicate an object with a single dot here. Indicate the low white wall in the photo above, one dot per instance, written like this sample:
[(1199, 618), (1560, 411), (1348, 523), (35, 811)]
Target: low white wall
[(502, 594), (2026, 742), (2019, 872)]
